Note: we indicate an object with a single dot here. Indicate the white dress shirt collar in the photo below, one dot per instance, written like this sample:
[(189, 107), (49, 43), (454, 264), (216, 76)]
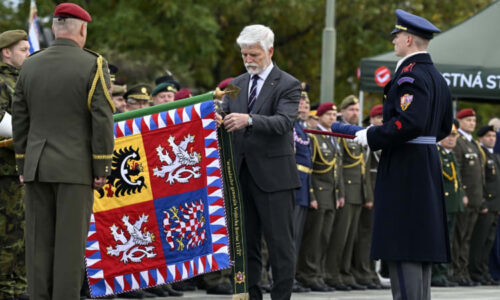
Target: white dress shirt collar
[(468, 136), (407, 56)]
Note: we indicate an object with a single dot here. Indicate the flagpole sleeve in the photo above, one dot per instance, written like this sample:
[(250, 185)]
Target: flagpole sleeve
[(162, 107)]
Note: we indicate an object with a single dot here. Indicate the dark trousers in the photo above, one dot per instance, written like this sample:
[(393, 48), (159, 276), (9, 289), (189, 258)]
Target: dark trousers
[(317, 233), (272, 215), (299, 220), (440, 271), (57, 222), (410, 280), (481, 242), (466, 221), (339, 253), (363, 268)]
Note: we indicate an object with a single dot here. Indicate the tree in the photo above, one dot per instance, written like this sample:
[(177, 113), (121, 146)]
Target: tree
[(196, 39)]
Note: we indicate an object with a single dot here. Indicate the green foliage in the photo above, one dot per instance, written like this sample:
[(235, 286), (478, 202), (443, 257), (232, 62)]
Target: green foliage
[(195, 39)]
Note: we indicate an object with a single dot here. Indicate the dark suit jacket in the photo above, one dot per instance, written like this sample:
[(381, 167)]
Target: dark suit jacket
[(267, 146), (492, 179)]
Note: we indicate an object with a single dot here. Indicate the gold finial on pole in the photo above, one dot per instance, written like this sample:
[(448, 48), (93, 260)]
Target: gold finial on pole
[(230, 90)]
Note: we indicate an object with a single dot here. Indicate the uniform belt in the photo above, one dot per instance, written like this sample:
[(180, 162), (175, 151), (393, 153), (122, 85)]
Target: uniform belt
[(304, 169), (423, 140)]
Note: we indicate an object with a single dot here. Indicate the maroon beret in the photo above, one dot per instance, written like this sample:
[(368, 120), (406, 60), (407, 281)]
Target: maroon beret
[(71, 10), (324, 107), (223, 84), (466, 112), (182, 94), (376, 110)]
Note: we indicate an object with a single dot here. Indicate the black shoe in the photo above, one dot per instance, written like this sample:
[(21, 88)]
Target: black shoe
[(224, 288), (267, 288), (451, 283), (439, 283), (373, 286), (317, 287), (474, 283), (493, 282), (81, 298), (157, 291), (341, 287), (184, 286), (357, 287), (463, 282), (137, 294), (299, 288), (171, 291), (24, 296)]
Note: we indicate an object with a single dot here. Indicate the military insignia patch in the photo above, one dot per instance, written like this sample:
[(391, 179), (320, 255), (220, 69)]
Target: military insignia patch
[(408, 68), (405, 79), (406, 100)]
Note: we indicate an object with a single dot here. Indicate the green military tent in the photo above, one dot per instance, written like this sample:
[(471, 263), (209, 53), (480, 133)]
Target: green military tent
[(468, 56)]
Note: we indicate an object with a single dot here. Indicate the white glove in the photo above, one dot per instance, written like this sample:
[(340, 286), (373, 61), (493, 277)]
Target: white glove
[(361, 137), (6, 125)]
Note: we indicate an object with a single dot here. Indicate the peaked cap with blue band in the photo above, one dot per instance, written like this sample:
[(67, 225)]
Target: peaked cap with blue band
[(414, 24)]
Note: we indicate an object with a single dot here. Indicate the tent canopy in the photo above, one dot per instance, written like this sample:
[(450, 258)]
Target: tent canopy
[(467, 55)]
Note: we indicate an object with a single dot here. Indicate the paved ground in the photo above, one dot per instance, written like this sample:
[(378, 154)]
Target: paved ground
[(459, 293)]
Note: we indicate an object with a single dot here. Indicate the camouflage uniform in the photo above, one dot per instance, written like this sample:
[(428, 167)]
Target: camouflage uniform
[(12, 267)]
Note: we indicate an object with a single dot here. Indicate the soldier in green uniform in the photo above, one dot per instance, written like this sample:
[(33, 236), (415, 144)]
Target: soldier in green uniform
[(14, 49), (484, 232), (363, 267), (470, 160), (345, 228), (138, 96), (453, 195), (326, 197), (63, 140)]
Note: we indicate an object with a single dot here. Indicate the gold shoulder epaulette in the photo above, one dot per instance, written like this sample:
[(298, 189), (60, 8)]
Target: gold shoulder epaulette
[(91, 52)]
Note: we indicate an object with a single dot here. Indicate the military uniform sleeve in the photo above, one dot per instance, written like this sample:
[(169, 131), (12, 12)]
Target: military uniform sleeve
[(101, 109), (410, 118), (20, 124), (4, 99)]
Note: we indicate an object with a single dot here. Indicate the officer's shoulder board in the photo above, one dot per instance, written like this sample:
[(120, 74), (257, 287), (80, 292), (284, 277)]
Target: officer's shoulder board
[(92, 52), (36, 52)]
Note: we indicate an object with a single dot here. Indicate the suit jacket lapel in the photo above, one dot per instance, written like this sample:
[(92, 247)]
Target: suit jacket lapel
[(242, 98), (267, 89)]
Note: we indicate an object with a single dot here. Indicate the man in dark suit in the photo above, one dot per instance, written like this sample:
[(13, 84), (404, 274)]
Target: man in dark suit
[(409, 217), (261, 119), (63, 139)]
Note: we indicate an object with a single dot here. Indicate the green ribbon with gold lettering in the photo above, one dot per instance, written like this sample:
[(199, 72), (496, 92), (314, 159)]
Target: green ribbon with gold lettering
[(235, 216)]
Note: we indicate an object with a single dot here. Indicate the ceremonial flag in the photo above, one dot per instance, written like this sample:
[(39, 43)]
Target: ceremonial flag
[(160, 217), (33, 34)]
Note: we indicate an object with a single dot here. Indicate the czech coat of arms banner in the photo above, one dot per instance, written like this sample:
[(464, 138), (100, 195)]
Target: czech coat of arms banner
[(160, 217)]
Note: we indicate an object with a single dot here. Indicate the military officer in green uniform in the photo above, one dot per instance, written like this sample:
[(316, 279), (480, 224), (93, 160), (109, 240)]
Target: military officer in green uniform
[(470, 161), (63, 140), (14, 48), (363, 268), (345, 227), (326, 196), (453, 195), (484, 232), (138, 96)]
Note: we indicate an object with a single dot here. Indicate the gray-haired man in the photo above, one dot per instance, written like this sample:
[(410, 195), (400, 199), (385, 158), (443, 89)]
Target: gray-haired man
[(261, 118)]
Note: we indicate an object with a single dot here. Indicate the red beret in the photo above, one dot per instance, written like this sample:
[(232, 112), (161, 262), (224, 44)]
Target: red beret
[(182, 94), (324, 107), (376, 110), (223, 84), (71, 10), (466, 112)]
